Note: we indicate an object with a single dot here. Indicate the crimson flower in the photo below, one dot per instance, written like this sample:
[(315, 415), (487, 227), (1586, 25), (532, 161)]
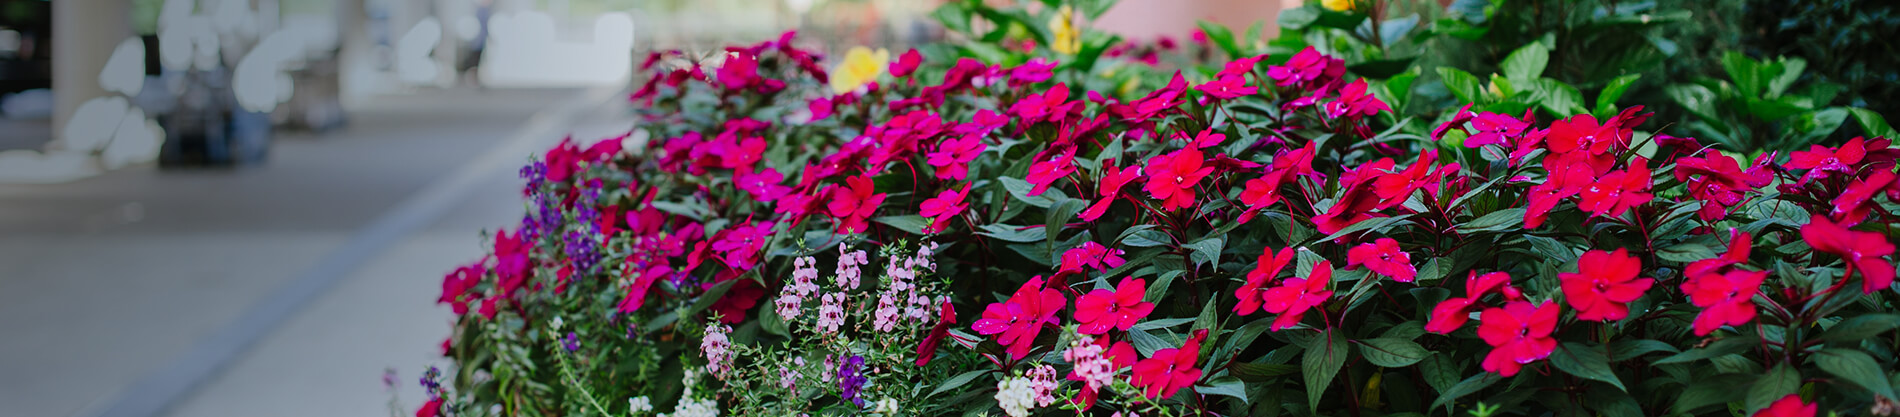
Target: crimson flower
[(853, 204), (1392, 189), (1863, 251), (1857, 200), (1101, 309), (1261, 193), (1091, 255), (1307, 66), (1384, 257), (928, 348), (1172, 176), (433, 408), (1604, 284), (740, 71), (1270, 264), (1295, 296), (1171, 369), (1110, 187), (740, 245), (1789, 406), (459, 281), (1357, 201), (511, 260), (1739, 243), (1618, 191), (952, 157), (1452, 313), (1046, 172), (1206, 138), (1495, 129), (1355, 102), (1563, 180), (1518, 334), (1719, 182), (945, 206), (762, 185), (1035, 71), (1051, 105), (1724, 298), (1241, 66), (1227, 87), (819, 109), (642, 283), (906, 63), (1018, 320)]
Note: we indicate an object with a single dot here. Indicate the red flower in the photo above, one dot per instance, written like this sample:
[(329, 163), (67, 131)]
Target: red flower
[(642, 283), (1091, 255), (1564, 180), (1264, 192), (1357, 201), (952, 157), (1240, 67), (1110, 187), (511, 261), (1205, 139), (1619, 191), (928, 348), (1170, 369), (1270, 264), (1051, 105), (1307, 66), (1035, 71), (1857, 200), (945, 206), (1518, 334), (459, 281), (1046, 172), (1789, 406), (1295, 296), (1392, 189), (1384, 257), (1228, 87), (1604, 284), (906, 63), (1863, 251), (1172, 176), (740, 71), (1019, 319), (1738, 247), (434, 407), (853, 204), (1495, 129), (1724, 298), (739, 299), (1821, 160), (819, 109), (1355, 102), (740, 245), (1451, 314), (1101, 309), (1719, 182)]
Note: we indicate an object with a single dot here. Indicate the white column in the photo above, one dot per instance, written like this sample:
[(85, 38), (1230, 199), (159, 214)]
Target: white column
[(84, 34)]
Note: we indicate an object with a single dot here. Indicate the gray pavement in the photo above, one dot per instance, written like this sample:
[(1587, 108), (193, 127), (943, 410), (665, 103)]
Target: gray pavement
[(105, 281)]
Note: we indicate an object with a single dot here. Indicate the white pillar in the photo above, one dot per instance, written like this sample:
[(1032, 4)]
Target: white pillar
[(84, 34)]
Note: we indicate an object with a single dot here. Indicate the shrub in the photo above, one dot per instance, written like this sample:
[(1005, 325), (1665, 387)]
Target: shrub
[(1249, 237)]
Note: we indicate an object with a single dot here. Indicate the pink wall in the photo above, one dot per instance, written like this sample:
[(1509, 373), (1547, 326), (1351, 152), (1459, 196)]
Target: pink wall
[(1146, 19)]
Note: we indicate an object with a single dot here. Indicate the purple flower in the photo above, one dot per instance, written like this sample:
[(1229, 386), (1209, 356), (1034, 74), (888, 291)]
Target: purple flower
[(572, 342), (851, 379)]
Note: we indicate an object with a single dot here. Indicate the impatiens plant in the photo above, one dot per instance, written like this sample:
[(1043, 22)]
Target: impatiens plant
[(1168, 250)]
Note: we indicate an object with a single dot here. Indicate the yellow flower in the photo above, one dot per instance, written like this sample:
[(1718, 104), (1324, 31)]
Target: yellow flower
[(1067, 39), (1337, 5), (860, 67)]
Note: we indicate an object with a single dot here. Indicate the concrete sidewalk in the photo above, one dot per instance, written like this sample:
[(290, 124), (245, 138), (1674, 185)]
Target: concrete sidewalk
[(105, 280)]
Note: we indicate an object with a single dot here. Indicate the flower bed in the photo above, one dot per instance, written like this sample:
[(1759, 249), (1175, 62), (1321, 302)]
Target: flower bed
[(1063, 228)]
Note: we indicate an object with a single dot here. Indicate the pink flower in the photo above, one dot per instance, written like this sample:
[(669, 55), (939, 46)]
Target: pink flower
[(1018, 320), (740, 71), (762, 185), (1090, 255), (1258, 280), (906, 63), (1307, 66), (1035, 71), (1046, 172), (1789, 406), (1354, 102), (952, 156), (1171, 369), (1820, 161), (1384, 257), (1863, 251), (1604, 285), (1240, 67), (1172, 177), (740, 245), (1228, 87), (853, 204), (1857, 200), (946, 206), (1051, 105), (1451, 314), (1110, 188), (1562, 181), (1725, 298), (820, 109), (1101, 309), (642, 283), (1519, 334), (1495, 129), (1619, 191), (1295, 296)]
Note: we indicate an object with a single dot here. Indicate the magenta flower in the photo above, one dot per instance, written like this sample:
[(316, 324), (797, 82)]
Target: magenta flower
[(946, 206), (1102, 309)]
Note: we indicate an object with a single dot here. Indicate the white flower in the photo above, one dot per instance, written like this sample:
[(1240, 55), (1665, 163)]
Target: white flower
[(695, 408), (556, 324), (639, 404), (1015, 396), (887, 405)]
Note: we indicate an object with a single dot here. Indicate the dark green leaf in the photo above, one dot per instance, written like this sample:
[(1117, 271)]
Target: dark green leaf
[(1466, 387), (1227, 386), (909, 223), (1526, 63), (1861, 327), (1206, 251), (958, 381), (1321, 363), (1392, 352), (1462, 84), (1586, 362), (1013, 233), (1260, 372), (1506, 219), (1776, 383), (1627, 349), (1856, 367)]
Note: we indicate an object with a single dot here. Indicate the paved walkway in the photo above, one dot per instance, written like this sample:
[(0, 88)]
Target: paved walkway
[(109, 281)]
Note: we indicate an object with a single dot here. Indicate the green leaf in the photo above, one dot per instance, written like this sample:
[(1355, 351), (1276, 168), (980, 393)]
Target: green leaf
[(1776, 383), (953, 16), (711, 295), (1861, 327), (1146, 343), (1392, 352), (1872, 123), (1606, 100), (1526, 63), (1298, 18), (1160, 323), (1375, 225), (1321, 363), (1586, 362), (1556, 96), (1206, 251), (1466, 387), (1094, 8), (1856, 367), (1627, 349), (1686, 252), (1146, 238), (1719, 348), (957, 381), (1462, 84), (1058, 217), (1020, 189), (909, 223), (1440, 371), (1506, 219), (1227, 386), (1221, 37), (1013, 233), (1714, 390), (1261, 372)]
